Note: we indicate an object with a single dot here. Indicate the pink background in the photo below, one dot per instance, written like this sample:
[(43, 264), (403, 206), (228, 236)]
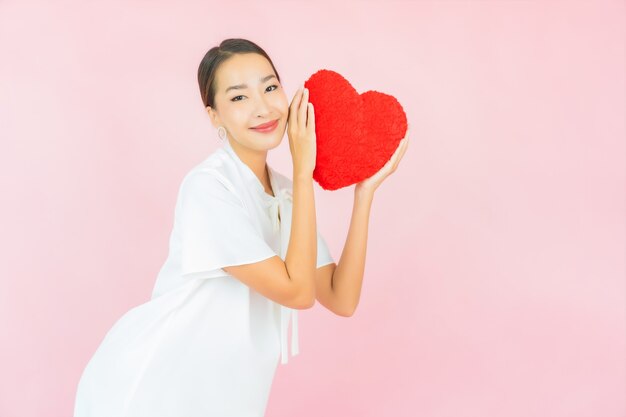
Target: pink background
[(495, 278)]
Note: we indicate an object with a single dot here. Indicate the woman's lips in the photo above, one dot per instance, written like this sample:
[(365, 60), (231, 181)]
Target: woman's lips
[(267, 127)]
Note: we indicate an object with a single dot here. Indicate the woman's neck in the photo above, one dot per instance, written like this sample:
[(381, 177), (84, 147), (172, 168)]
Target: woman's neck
[(256, 161)]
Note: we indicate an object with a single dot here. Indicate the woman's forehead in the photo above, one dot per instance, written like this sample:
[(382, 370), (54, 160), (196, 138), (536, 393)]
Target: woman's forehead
[(247, 69)]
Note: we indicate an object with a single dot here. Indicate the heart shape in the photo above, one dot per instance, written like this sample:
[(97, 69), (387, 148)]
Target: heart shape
[(356, 133)]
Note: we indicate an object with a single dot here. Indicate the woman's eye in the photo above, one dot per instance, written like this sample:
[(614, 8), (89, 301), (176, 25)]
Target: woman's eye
[(273, 85)]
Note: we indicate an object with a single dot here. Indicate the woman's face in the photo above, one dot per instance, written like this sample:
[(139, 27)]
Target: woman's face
[(256, 99)]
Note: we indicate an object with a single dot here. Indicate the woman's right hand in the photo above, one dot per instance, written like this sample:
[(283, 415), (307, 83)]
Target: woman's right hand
[(301, 132)]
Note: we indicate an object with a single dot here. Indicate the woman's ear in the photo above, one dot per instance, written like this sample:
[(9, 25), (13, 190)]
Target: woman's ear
[(215, 120)]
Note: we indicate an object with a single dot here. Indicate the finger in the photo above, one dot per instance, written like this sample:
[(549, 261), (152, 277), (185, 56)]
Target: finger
[(311, 118), (405, 145), (398, 149), (398, 154), (293, 108), (394, 159), (302, 108), (295, 100), (402, 141), (389, 164), (394, 156)]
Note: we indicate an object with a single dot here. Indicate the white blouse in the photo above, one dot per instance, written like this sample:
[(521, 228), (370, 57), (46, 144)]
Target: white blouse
[(205, 344)]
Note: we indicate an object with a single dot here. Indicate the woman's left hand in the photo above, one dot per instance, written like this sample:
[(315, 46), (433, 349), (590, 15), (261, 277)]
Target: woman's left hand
[(370, 184)]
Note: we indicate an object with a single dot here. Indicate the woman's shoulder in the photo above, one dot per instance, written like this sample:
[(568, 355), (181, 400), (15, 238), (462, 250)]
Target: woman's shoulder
[(207, 182), (211, 173), (206, 190), (203, 179)]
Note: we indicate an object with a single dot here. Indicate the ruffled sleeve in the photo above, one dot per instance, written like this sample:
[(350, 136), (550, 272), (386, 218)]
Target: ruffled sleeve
[(216, 229)]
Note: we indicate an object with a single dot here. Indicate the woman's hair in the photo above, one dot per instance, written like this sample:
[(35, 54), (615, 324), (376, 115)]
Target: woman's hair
[(218, 54)]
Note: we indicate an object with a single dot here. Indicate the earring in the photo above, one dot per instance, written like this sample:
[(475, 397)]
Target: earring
[(221, 135)]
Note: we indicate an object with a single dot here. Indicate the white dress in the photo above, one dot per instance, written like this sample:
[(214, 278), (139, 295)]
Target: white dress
[(205, 344)]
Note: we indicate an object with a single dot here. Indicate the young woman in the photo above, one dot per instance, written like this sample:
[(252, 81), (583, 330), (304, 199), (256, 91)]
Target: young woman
[(244, 256)]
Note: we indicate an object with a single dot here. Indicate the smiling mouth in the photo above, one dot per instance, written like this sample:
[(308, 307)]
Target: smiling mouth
[(265, 125)]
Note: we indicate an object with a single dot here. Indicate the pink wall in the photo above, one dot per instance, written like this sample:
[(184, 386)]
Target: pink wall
[(495, 279)]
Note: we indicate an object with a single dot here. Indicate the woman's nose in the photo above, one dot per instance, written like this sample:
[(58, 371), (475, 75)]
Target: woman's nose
[(262, 106)]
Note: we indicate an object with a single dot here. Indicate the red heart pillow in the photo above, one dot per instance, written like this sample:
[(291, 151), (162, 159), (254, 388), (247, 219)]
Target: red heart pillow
[(356, 133)]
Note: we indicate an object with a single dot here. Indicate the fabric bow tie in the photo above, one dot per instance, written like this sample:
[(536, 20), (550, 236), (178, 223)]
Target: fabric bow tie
[(274, 205)]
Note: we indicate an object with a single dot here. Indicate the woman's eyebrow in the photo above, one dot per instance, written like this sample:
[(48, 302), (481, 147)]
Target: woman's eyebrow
[(242, 86)]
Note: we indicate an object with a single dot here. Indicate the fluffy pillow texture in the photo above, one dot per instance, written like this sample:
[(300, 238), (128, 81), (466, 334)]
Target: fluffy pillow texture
[(356, 133)]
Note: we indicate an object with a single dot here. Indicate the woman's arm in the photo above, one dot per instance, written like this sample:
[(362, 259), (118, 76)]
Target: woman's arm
[(292, 282), (301, 253), (338, 287)]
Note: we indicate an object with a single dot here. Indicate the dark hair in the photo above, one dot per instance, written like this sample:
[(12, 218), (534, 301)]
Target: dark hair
[(217, 55)]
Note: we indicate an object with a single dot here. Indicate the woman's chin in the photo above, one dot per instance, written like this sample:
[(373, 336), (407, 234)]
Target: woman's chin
[(266, 141)]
